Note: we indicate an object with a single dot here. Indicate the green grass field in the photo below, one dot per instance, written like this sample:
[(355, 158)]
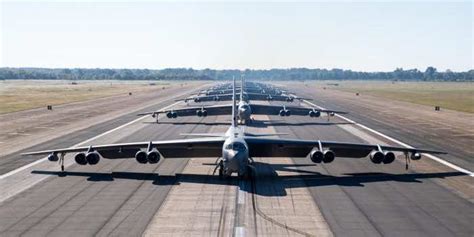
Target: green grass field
[(449, 95), (17, 95)]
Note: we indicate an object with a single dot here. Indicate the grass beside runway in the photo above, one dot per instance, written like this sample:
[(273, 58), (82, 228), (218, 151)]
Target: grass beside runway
[(457, 96), (17, 95)]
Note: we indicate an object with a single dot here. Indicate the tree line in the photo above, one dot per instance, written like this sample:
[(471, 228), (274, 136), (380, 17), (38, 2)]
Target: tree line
[(430, 74)]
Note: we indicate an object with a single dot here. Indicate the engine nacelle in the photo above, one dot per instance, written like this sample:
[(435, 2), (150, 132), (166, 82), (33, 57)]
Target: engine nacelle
[(282, 113), (197, 100), (316, 156), (201, 113), (376, 157), (314, 113), (216, 98), (174, 114), (153, 156), (287, 113), (141, 157), (169, 115), (389, 157), (329, 156), (415, 156), (80, 158), (53, 157), (92, 157), (289, 99)]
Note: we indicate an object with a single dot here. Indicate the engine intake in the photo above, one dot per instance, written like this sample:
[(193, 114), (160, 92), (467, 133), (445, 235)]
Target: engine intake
[(53, 157), (415, 156), (376, 157), (92, 157), (141, 157), (329, 156), (389, 157), (80, 158), (153, 157), (316, 156), (314, 113)]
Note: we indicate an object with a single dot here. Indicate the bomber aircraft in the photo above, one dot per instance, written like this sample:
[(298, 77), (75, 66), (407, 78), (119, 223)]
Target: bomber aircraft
[(262, 95), (234, 148), (244, 111)]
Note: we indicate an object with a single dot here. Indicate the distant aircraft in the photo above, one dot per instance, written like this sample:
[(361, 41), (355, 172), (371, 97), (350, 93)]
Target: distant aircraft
[(244, 111), (234, 148), (258, 94)]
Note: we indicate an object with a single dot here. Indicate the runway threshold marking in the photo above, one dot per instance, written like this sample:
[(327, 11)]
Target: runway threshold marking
[(446, 163), (88, 140)]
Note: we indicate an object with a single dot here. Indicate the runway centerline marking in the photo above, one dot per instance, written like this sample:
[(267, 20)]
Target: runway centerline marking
[(432, 157)]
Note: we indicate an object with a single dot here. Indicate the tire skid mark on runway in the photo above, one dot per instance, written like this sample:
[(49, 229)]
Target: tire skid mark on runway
[(360, 210), (181, 164), (53, 200), (407, 197), (435, 158)]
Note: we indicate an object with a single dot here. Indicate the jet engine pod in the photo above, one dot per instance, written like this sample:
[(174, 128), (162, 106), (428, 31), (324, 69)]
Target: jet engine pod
[(199, 113), (80, 158), (93, 157), (153, 157), (197, 100), (282, 113), (314, 113), (415, 156), (329, 156), (216, 98), (287, 113), (204, 113), (174, 114), (289, 99), (141, 157), (316, 156), (169, 115), (376, 157), (389, 157), (53, 157)]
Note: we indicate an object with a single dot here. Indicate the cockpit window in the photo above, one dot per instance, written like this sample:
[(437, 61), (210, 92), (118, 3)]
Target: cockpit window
[(236, 146)]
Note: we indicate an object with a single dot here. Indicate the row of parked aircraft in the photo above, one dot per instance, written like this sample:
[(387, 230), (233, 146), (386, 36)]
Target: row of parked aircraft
[(235, 148)]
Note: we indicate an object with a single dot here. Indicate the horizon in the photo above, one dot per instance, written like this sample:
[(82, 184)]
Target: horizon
[(365, 37)]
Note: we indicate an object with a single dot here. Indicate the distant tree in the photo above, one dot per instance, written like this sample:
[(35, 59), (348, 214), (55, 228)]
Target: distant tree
[(430, 73)]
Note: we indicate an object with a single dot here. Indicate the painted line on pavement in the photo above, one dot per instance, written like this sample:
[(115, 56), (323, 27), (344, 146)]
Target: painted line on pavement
[(81, 143), (446, 163)]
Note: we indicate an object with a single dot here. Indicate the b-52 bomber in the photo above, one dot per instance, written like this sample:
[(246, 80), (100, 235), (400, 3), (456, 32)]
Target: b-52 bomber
[(234, 148), (261, 94), (245, 110)]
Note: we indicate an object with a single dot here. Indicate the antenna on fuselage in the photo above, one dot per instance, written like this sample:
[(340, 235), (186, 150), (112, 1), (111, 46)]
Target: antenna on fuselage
[(234, 118)]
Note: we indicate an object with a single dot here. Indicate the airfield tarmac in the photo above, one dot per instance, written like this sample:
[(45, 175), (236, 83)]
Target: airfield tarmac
[(290, 197)]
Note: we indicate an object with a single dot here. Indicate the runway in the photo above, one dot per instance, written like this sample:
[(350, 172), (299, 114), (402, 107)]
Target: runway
[(289, 197)]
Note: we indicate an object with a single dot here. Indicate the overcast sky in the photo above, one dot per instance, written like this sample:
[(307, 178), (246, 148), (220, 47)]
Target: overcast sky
[(374, 36)]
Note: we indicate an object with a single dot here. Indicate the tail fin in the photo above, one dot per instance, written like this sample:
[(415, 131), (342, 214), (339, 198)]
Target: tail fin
[(234, 118), (242, 87)]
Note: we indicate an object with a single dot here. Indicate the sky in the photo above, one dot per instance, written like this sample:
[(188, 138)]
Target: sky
[(362, 36)]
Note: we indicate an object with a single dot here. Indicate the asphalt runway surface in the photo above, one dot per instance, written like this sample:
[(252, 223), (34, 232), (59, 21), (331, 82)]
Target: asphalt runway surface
[(121, 197)]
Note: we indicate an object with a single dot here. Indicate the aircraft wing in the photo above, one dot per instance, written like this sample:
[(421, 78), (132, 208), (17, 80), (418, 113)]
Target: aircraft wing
[(187, 148), (209, 98), (192, 111), (275, 110), (279, 147)]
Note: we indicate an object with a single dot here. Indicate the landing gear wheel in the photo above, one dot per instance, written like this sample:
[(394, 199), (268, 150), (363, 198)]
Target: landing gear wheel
[(221, 170)]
